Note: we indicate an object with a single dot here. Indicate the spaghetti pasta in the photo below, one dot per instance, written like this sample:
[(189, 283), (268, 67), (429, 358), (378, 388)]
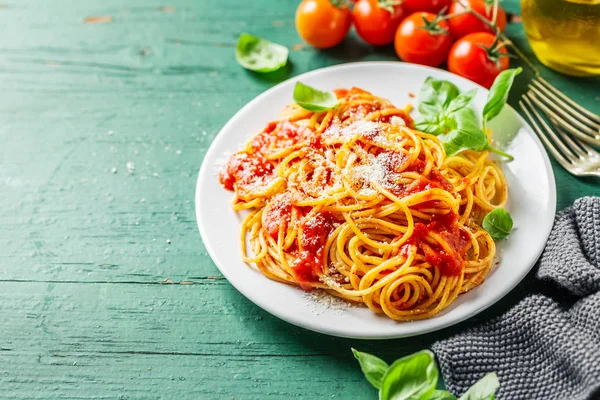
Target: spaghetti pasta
[(356, 202)]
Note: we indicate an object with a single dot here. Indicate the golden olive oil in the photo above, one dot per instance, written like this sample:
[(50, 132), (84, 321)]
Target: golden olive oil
[(564, 34)]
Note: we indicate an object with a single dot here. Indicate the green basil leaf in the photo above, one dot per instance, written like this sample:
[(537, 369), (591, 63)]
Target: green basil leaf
[(435, 96), (442, 395), (498, 223), (313, 99), (428, 124), (412, 377), (498, 94), (461, 101), (483, 389), (260, 55), (466, 134), (373, 367)]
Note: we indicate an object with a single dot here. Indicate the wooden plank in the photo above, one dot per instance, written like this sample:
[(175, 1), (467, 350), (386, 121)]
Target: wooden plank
[(165, 341)]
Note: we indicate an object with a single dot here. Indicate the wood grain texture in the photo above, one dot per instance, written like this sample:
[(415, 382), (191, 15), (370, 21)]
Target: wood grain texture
[(106, 290)]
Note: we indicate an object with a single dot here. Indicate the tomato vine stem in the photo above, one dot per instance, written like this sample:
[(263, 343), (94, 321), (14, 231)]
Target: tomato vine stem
[(499, 34)]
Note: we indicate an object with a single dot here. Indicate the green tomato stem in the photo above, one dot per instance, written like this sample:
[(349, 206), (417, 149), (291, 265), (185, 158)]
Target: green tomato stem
[(495, 13), (500, 152), (500, 35), (458, 14)]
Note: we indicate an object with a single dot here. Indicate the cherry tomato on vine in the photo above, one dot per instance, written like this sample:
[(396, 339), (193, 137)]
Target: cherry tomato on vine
[(478, 57), (468, 23), (376, 21), (432, 6), (323, 23), (423, 43)]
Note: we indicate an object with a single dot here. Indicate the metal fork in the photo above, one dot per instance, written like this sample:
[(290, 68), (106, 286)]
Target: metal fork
[(575, 155), (564, 112)]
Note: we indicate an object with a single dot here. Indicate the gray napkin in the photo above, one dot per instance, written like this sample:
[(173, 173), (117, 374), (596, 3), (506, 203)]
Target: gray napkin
[(542, 348)]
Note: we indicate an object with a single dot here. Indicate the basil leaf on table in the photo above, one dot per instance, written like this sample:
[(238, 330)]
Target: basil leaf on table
[(498, 94), (465, 134), (373, 367), (442, 395), (313, 99), (483, 389), (260, 55), (498, 223), (435, 96), (412, 377)]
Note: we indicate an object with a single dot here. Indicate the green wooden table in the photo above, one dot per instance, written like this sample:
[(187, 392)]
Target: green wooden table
[(106, 290)]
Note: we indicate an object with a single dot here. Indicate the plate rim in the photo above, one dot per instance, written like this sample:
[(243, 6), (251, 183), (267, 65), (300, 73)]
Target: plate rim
[(552, 198)]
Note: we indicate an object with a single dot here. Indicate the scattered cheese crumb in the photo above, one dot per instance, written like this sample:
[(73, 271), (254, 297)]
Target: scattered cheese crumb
[(113, 170), (130, 167), (320, 302)]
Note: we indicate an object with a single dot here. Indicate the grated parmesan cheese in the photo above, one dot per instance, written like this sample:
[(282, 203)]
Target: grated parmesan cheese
[(320, 302), (398, 121), (360, 128)]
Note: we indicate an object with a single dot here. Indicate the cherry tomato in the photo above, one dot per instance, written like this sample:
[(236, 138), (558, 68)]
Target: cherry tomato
[(417, 43), (375, 24), (322, 23), (467, 58), (468, 23), (432, 6)]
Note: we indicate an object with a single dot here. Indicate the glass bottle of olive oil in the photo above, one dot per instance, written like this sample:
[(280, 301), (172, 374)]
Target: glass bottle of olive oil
[(564, 34)]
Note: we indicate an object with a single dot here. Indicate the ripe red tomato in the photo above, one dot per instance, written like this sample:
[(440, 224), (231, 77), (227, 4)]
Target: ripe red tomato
[(321, 23), (467, 58), (375, 22), (417, 43), (467, 23), (432, 6)]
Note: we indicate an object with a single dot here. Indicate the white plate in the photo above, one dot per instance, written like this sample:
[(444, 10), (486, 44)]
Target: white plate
[(532, 203)]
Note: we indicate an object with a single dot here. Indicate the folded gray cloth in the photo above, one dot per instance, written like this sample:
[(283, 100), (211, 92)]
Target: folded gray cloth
[(542, 348)]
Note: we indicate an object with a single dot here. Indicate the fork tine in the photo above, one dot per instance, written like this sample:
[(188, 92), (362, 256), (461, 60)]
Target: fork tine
[(566, 111), (594, 139), (566, 99), (585, 148), (570, 143), (526, 106), (549, 131)]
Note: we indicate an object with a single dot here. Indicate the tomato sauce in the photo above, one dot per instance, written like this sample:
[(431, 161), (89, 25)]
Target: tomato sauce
[(279, 135), (436, 181), (244, 170), (251, 169), (276, 213), (408, 121), (436, 177), (315, 232), (450, 264), (416, 166)]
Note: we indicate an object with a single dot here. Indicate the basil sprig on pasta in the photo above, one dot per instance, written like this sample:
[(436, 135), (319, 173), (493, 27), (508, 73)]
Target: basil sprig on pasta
[(498, 223), (444, 111), (314, 100)]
